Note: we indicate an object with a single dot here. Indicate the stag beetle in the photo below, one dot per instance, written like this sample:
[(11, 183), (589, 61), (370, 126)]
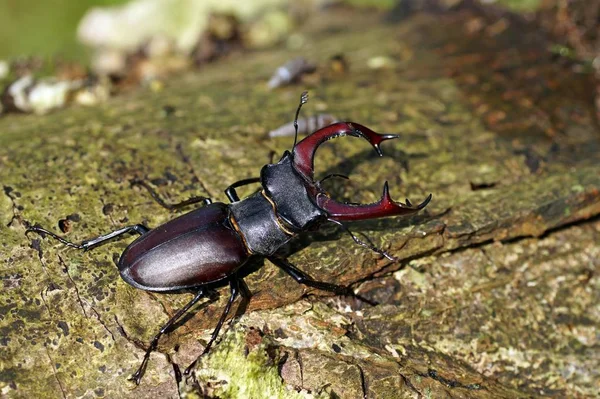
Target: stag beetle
[(212, 243)]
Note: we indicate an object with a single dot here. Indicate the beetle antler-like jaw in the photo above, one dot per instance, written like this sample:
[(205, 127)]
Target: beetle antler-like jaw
[(386, 206), (303, 163), (304, 152)]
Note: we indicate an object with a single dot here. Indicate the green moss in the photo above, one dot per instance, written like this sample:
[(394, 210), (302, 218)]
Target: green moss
[(80, 159), (233, 370)]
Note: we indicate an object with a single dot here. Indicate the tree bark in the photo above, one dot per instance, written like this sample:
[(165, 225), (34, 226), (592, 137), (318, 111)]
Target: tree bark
[(495, 293)]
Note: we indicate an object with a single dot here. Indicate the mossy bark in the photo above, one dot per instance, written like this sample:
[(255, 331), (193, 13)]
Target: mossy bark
[(496, 290)]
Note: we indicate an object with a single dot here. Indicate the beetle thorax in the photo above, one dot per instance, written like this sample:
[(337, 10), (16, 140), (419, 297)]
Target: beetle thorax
[(289, 192)]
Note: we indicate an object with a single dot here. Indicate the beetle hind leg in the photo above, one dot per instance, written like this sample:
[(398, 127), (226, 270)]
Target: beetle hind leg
[(305, 279), (137, 376), (238, 287)]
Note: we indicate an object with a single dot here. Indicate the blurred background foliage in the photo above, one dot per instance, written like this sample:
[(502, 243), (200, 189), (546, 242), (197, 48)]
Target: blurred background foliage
[(57, 52), (43, 28), (518, 5), (47, 28)]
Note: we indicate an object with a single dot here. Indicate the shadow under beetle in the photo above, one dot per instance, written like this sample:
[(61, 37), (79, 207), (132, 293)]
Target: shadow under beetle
[(210, 244)]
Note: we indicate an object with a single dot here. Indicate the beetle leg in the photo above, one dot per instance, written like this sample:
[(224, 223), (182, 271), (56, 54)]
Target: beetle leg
[(362, 243), (153, 344), (234, 285), (171, 207), (92, 242), (232, 194), (245, 292), (305, 279)]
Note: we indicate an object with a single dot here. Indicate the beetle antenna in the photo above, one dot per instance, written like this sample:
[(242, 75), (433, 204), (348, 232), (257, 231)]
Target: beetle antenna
[(303, 100)]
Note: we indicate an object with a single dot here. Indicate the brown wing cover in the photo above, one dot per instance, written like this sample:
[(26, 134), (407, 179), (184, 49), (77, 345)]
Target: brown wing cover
[(197, 248)]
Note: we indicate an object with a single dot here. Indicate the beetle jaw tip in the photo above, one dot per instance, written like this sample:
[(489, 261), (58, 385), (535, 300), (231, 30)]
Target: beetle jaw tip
[(424, 203)]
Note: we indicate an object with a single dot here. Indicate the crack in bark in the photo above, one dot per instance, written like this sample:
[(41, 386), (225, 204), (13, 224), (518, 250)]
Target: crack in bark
[(162, 305), (298, 360), (186, 160), (301, 364), (135, 342), (62, 389), (46, 304), (410, 385), (45, 269), (475, 245), (7, 191), (66, 268), (82, 303), (439, 250), (102, 322), (363, 382), (140, 345), (348, 359), (433, 374)]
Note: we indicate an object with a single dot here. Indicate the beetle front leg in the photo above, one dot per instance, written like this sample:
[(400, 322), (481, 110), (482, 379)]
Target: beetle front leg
[(305, 279), (329, 176), (92, 242), (171, 207), (232, 194), (362, 243), (137, 376)]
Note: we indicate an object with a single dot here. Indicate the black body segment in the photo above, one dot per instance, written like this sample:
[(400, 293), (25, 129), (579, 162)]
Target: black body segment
[(258, 224), (197, 248), (288, 191)]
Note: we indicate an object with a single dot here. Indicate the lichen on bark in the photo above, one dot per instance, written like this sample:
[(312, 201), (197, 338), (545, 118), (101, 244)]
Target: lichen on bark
[(496, 290)]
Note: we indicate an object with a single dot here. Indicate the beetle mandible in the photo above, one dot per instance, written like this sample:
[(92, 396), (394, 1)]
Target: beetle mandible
[(212, 243)]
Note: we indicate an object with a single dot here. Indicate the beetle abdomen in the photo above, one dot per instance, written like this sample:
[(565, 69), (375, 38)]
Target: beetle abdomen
[(194, 249)]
